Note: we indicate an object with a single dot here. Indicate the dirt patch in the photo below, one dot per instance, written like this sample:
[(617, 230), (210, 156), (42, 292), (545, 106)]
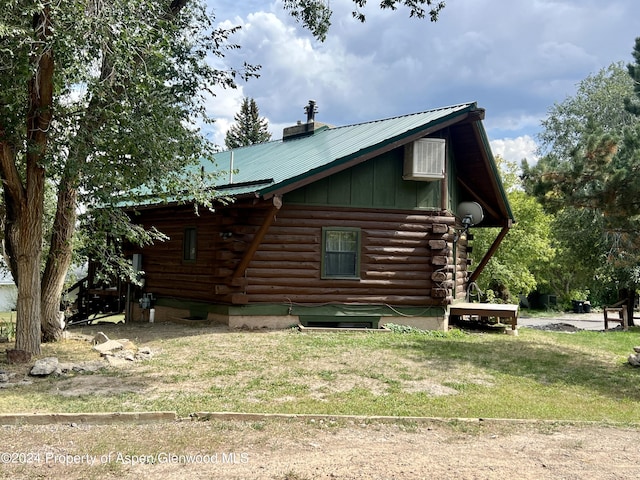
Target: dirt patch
[(95, 385), (301, 449), (322, 449), (557, 327)]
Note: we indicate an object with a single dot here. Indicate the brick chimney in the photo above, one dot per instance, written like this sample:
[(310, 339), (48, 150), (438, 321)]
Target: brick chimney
[(304, 129)]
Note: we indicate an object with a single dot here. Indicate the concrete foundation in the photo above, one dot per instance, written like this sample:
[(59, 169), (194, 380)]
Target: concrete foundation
[(184, 315)]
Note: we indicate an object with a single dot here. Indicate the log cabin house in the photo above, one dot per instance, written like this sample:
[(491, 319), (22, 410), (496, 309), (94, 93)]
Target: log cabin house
[(352, 226)]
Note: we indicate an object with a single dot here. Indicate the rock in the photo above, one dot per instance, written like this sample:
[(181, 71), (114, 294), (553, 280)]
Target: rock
[(108, 347), (89, 367), (636, 349), (82, 367), (44, 367), (116, 361), (65, 367), (144, 353), (99, 338), (128, 344), (128, 355), (633, 360), (18, 356)]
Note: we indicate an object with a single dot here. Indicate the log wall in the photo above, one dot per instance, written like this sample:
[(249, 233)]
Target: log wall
[(407, 257), (166, 274), (403, 257)]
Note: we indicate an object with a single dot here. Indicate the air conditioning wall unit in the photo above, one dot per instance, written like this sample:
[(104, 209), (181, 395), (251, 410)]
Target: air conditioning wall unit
[(424, 159)]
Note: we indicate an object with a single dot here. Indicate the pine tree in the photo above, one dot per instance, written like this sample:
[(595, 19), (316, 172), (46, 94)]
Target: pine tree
[(633, 105), (249, 127), (590, 173)]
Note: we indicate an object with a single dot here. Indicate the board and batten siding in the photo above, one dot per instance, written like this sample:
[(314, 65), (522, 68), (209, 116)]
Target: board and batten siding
[(377, 183)]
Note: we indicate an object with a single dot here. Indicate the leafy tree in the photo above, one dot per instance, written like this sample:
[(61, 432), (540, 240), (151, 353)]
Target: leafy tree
[(598, 101), (578, 244), (517, 265), (316, 14), (249, 127), (589, 175), (99, 98), (95, 98)]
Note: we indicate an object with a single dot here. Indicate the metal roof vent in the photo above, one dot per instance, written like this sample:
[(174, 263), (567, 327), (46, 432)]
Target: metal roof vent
[(311, 111), (424, 159)]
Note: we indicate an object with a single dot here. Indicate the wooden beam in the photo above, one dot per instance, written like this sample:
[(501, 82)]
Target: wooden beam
[(496, 243), (475, 196), (257, 239)]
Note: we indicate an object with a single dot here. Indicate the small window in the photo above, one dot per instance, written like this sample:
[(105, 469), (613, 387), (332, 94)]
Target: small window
[(189, 244), (341, 252)]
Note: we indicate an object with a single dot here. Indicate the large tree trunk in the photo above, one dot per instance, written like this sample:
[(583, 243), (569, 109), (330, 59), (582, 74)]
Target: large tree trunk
[(58, 261), (28, 251), (25, 200)]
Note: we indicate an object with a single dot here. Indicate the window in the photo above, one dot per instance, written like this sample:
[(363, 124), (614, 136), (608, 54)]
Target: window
[(189, 244), (341, 252)]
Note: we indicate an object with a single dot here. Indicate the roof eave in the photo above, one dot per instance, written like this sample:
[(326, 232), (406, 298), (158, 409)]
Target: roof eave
[(495, 175)]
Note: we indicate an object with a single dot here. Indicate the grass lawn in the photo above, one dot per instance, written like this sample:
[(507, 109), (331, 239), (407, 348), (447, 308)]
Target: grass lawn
[(536, 375)]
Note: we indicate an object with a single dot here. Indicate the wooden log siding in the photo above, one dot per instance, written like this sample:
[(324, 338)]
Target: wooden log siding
[(462, 267), (397, 258), (166, 274)]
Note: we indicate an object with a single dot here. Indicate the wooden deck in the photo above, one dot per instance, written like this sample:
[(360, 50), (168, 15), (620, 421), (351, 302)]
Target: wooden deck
[(506, 311)]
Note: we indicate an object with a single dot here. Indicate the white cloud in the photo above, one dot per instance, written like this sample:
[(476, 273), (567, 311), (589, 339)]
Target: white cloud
[(222, 107), (510, 121), (514, 58), (516, 149)]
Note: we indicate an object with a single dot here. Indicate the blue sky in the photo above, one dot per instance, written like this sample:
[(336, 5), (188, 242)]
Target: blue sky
[(515, 58)]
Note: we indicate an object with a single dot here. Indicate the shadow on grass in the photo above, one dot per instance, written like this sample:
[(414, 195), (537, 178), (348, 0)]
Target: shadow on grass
[(540, 360)]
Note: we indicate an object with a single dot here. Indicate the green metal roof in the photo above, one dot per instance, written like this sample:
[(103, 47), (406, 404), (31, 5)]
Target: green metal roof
[(268, 167), (276, 167)]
